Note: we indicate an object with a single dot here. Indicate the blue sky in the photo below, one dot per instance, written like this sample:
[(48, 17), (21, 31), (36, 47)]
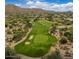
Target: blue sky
[(53, 5), (50, 1)]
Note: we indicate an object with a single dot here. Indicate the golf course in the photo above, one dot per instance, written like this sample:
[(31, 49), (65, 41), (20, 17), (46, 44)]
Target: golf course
[(38, 41)]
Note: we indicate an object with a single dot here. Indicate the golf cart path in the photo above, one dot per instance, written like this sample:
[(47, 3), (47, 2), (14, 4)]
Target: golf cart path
[(24, 38), (26, 57)]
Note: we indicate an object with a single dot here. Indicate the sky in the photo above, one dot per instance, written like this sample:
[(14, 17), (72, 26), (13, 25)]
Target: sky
[(51, 5)]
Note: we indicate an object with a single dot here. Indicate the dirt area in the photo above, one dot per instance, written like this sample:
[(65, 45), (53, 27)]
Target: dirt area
[(66, 50)]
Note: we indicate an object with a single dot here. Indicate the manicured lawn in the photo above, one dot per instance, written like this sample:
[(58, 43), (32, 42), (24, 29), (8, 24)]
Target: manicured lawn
[(40, 40)]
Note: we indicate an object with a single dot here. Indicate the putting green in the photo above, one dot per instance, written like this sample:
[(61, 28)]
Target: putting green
[(41, 41)]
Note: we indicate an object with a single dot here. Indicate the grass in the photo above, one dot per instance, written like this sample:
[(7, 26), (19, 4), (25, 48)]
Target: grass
[(41, 42)]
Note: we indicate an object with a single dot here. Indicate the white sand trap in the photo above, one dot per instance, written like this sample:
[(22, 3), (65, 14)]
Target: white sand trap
[(26, 43), (31, 37)]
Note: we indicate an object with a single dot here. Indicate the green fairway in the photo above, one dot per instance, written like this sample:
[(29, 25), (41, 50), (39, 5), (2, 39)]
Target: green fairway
[(39, 41)]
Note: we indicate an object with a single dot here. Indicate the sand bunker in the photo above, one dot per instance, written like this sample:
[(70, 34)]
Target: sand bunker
[(26, 43), (31, 37)]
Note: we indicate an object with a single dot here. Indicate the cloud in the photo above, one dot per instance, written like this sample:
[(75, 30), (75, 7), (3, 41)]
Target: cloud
[(48, 6), (18, 5)]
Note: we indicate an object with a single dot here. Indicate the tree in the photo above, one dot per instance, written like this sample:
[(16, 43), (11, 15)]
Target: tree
[(69, 36), (10, 53), (29, 25), (63, 40), (49, 16)]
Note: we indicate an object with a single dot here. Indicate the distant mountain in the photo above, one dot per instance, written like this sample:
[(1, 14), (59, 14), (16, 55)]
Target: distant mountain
[(12, 9)]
